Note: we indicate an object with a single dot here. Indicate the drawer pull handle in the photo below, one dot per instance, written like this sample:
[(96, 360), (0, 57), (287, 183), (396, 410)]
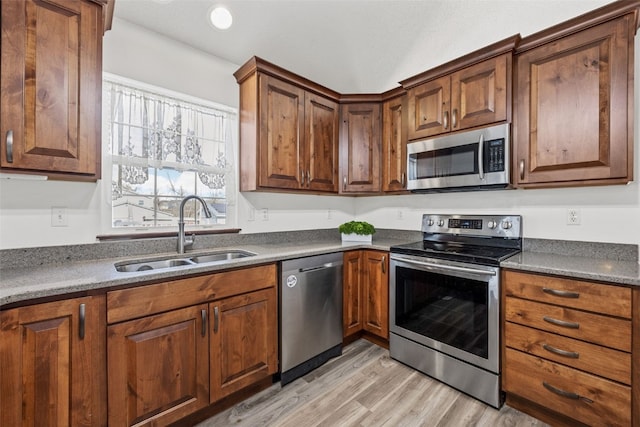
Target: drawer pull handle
[(565, 353), (203, 331), (566, 394), (565, 324), (83, 315), (216, 319), (559, 293)]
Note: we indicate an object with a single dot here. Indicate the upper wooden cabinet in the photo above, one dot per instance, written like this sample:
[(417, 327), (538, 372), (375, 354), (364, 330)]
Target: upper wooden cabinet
[(472, 91), (394, 144), (360, 150), (288, 132), (573, 118), (53, 364), (51, 79)]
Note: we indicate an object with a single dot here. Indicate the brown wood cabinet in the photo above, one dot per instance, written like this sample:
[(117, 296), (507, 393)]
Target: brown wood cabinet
[(158, 367), (51, 79), (178, 346), (52, 360), (366, 293), (566, 350), (288, 133), (244, 341), (476, 95), (360, 148), (574, 104), (394, 144)]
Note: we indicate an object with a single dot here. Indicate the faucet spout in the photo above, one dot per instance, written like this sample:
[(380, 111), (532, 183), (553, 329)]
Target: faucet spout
[(183, 241)]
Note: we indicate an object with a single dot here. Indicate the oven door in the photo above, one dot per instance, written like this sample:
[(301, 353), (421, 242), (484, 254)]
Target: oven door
[(448, 306)]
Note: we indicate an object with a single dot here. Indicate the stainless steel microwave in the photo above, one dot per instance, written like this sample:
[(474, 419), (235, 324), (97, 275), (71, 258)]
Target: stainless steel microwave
[(474, 160)]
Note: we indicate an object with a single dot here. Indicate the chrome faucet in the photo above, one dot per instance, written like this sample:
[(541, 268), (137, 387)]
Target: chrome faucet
[(183, 241)]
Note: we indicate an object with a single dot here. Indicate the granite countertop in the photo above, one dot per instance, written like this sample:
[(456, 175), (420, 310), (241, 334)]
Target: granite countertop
[(65, 271), (22, 283), (624, 272)]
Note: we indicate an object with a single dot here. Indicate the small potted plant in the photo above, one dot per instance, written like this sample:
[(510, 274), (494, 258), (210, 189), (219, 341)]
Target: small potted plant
[(357, 231)]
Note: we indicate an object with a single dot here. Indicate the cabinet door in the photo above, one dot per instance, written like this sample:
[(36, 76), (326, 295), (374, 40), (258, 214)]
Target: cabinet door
[(52, 359), (376, 293), (479, 94), (281, 134), (429, 105), (394, 145), (51, 81), (574, 107), (352, 293), (158, 367), (321, 143), (360, 147), (244, 341)]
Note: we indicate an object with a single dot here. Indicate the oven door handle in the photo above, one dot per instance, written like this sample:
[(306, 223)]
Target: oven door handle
[(481, 158), (432, 266)]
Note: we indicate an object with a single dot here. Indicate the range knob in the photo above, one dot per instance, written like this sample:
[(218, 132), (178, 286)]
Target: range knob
[(492, 225), (506, 224), (430, 222), (440, 222)]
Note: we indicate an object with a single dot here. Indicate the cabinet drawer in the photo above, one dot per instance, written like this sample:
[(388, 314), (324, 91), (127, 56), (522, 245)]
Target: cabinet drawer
[(142, 301), (603, 330), (604, 299), (606, 362), (585, 397)]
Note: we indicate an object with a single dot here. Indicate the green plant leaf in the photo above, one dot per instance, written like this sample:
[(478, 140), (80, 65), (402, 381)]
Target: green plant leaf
[(361, 228)]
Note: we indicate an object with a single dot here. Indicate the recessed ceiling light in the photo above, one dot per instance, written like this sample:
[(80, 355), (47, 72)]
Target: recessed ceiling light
[(221, 17)]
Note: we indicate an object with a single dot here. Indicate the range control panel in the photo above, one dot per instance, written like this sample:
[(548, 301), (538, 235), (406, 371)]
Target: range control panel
[(507, 226)]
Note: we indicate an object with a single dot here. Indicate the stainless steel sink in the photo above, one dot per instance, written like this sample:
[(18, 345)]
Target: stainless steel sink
[(217, 257), (220, 256)]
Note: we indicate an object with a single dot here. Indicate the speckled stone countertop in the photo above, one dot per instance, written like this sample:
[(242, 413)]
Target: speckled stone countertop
[(49, 280), (601, 262)]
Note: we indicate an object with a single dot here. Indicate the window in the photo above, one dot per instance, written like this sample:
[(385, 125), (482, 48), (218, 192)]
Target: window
[(164, 146)]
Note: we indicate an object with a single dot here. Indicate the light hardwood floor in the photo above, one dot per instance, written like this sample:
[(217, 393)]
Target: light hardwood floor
[(364, 387)]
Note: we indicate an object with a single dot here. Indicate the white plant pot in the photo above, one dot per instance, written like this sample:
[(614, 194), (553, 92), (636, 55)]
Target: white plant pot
[(361, 238)]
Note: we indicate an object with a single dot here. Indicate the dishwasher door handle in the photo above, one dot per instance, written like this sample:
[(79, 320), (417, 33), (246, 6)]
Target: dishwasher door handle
[(320, 267)]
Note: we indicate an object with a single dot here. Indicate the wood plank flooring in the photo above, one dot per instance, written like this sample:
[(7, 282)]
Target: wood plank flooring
[(364, 387)]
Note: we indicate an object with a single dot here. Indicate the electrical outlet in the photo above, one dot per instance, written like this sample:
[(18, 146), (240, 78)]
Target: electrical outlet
[(329, 214), (265, 214), (59, 217), (573, 217), (252, 214), (400, 215)]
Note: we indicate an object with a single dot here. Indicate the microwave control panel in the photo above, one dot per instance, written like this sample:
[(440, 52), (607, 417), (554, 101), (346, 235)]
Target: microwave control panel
[(494, 155)]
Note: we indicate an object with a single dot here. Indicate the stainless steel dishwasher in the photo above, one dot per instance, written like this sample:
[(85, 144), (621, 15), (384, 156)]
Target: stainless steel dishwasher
[(310, 314)]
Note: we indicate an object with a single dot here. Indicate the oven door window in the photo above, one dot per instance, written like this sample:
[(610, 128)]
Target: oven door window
[(448, 309), (453, 161)]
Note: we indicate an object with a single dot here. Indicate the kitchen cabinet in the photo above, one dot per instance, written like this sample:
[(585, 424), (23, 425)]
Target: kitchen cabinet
[(158, 367), (473, 96), (176, 347), (366, 293), (244, 341), (52, 357), (360, 148), (394, 144), (566, 351), (51, 80), (288, 135), (574, 104)]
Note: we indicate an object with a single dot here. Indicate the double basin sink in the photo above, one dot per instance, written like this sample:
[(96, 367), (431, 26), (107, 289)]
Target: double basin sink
[(217, 257)]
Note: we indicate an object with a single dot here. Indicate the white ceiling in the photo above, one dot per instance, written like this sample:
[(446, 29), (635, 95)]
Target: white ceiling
[(351, 46)]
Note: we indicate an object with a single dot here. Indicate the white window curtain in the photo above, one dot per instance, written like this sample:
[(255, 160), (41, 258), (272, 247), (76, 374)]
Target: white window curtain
[(163, 148)]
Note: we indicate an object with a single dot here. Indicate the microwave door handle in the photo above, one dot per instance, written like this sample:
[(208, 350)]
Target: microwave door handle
[(481, 157)]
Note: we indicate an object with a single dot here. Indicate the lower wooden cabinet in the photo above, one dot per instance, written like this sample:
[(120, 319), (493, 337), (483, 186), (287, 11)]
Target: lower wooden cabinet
[(169, 357), (366, 293), (52, 364), (568, 348), (244, 341), (158, 367)]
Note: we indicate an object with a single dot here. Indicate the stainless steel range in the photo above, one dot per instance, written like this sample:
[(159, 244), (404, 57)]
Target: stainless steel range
[(445, 300)]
